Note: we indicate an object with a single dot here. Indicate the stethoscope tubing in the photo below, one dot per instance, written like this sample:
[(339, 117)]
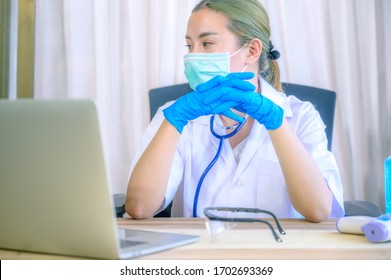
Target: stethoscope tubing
[(216, 157)]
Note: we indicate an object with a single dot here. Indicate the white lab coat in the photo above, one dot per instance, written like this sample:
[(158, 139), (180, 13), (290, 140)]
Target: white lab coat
[(257, 181)]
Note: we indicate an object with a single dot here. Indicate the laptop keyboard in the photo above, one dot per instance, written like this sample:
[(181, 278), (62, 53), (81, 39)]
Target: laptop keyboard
[(123, 243)]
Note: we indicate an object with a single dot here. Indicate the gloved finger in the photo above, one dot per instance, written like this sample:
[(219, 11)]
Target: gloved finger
[(233, 116), (239, 109), (229, 81), (212, 83), (225, 109), (218, 107), (243, 97), (241, 75), (223, 94), (236, 80)]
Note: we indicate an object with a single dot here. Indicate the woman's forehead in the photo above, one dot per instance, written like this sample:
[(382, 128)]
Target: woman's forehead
[(206, 22)]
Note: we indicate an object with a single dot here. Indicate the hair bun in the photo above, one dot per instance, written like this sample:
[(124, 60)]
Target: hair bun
[(273, 54)]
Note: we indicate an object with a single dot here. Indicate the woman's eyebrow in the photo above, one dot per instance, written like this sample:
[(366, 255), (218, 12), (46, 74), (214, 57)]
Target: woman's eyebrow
[(204, 34)]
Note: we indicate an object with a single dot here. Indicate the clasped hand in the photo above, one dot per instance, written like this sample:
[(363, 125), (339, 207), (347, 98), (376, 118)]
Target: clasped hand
[(218, 96)]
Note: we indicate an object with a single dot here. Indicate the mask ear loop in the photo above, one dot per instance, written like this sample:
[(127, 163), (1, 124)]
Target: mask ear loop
[(238, 51), (244, 68)]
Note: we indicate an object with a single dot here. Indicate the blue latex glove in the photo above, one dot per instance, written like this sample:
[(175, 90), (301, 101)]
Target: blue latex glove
[(252, 103), (234, 80), (208, 101)]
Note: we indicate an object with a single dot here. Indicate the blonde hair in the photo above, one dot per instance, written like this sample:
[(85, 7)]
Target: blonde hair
[(248, 19)]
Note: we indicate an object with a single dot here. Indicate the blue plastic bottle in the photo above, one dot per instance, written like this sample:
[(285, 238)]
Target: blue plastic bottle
[(387, 185)]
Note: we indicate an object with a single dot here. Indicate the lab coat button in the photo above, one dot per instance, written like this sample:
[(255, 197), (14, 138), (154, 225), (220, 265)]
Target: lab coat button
[(238, 184)]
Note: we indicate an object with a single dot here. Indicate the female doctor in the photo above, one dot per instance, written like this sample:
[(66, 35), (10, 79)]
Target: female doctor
[(278, 159)]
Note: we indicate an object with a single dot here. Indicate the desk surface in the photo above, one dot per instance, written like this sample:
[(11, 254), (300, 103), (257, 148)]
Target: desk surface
[(303, 240)]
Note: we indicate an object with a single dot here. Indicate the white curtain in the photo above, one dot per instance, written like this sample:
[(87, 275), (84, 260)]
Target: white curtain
[(114, 51)]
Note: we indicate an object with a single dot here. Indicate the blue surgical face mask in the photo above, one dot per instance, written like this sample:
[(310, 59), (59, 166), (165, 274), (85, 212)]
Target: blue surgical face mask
[(201, 67)]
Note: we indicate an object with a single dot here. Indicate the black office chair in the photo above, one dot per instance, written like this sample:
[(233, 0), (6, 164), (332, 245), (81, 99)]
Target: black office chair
[(323, 100)]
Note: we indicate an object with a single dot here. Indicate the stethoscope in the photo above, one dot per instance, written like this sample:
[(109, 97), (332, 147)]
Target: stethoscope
[(207, 169)]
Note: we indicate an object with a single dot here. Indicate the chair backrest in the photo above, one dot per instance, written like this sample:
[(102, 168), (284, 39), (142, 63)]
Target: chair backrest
[(323, 100), (162, 95)]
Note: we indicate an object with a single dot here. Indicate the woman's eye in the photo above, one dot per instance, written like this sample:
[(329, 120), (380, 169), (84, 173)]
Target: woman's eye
[(206, 44), (189, 47)]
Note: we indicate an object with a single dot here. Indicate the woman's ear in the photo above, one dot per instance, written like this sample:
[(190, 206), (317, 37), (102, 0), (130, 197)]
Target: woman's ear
[(254, 51)]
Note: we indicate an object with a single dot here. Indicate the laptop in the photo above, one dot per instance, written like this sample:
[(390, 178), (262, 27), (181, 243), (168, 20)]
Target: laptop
[(54, 185)]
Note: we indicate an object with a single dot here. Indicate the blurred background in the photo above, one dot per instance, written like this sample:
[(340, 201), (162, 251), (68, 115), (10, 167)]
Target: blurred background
[(115, 51)]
